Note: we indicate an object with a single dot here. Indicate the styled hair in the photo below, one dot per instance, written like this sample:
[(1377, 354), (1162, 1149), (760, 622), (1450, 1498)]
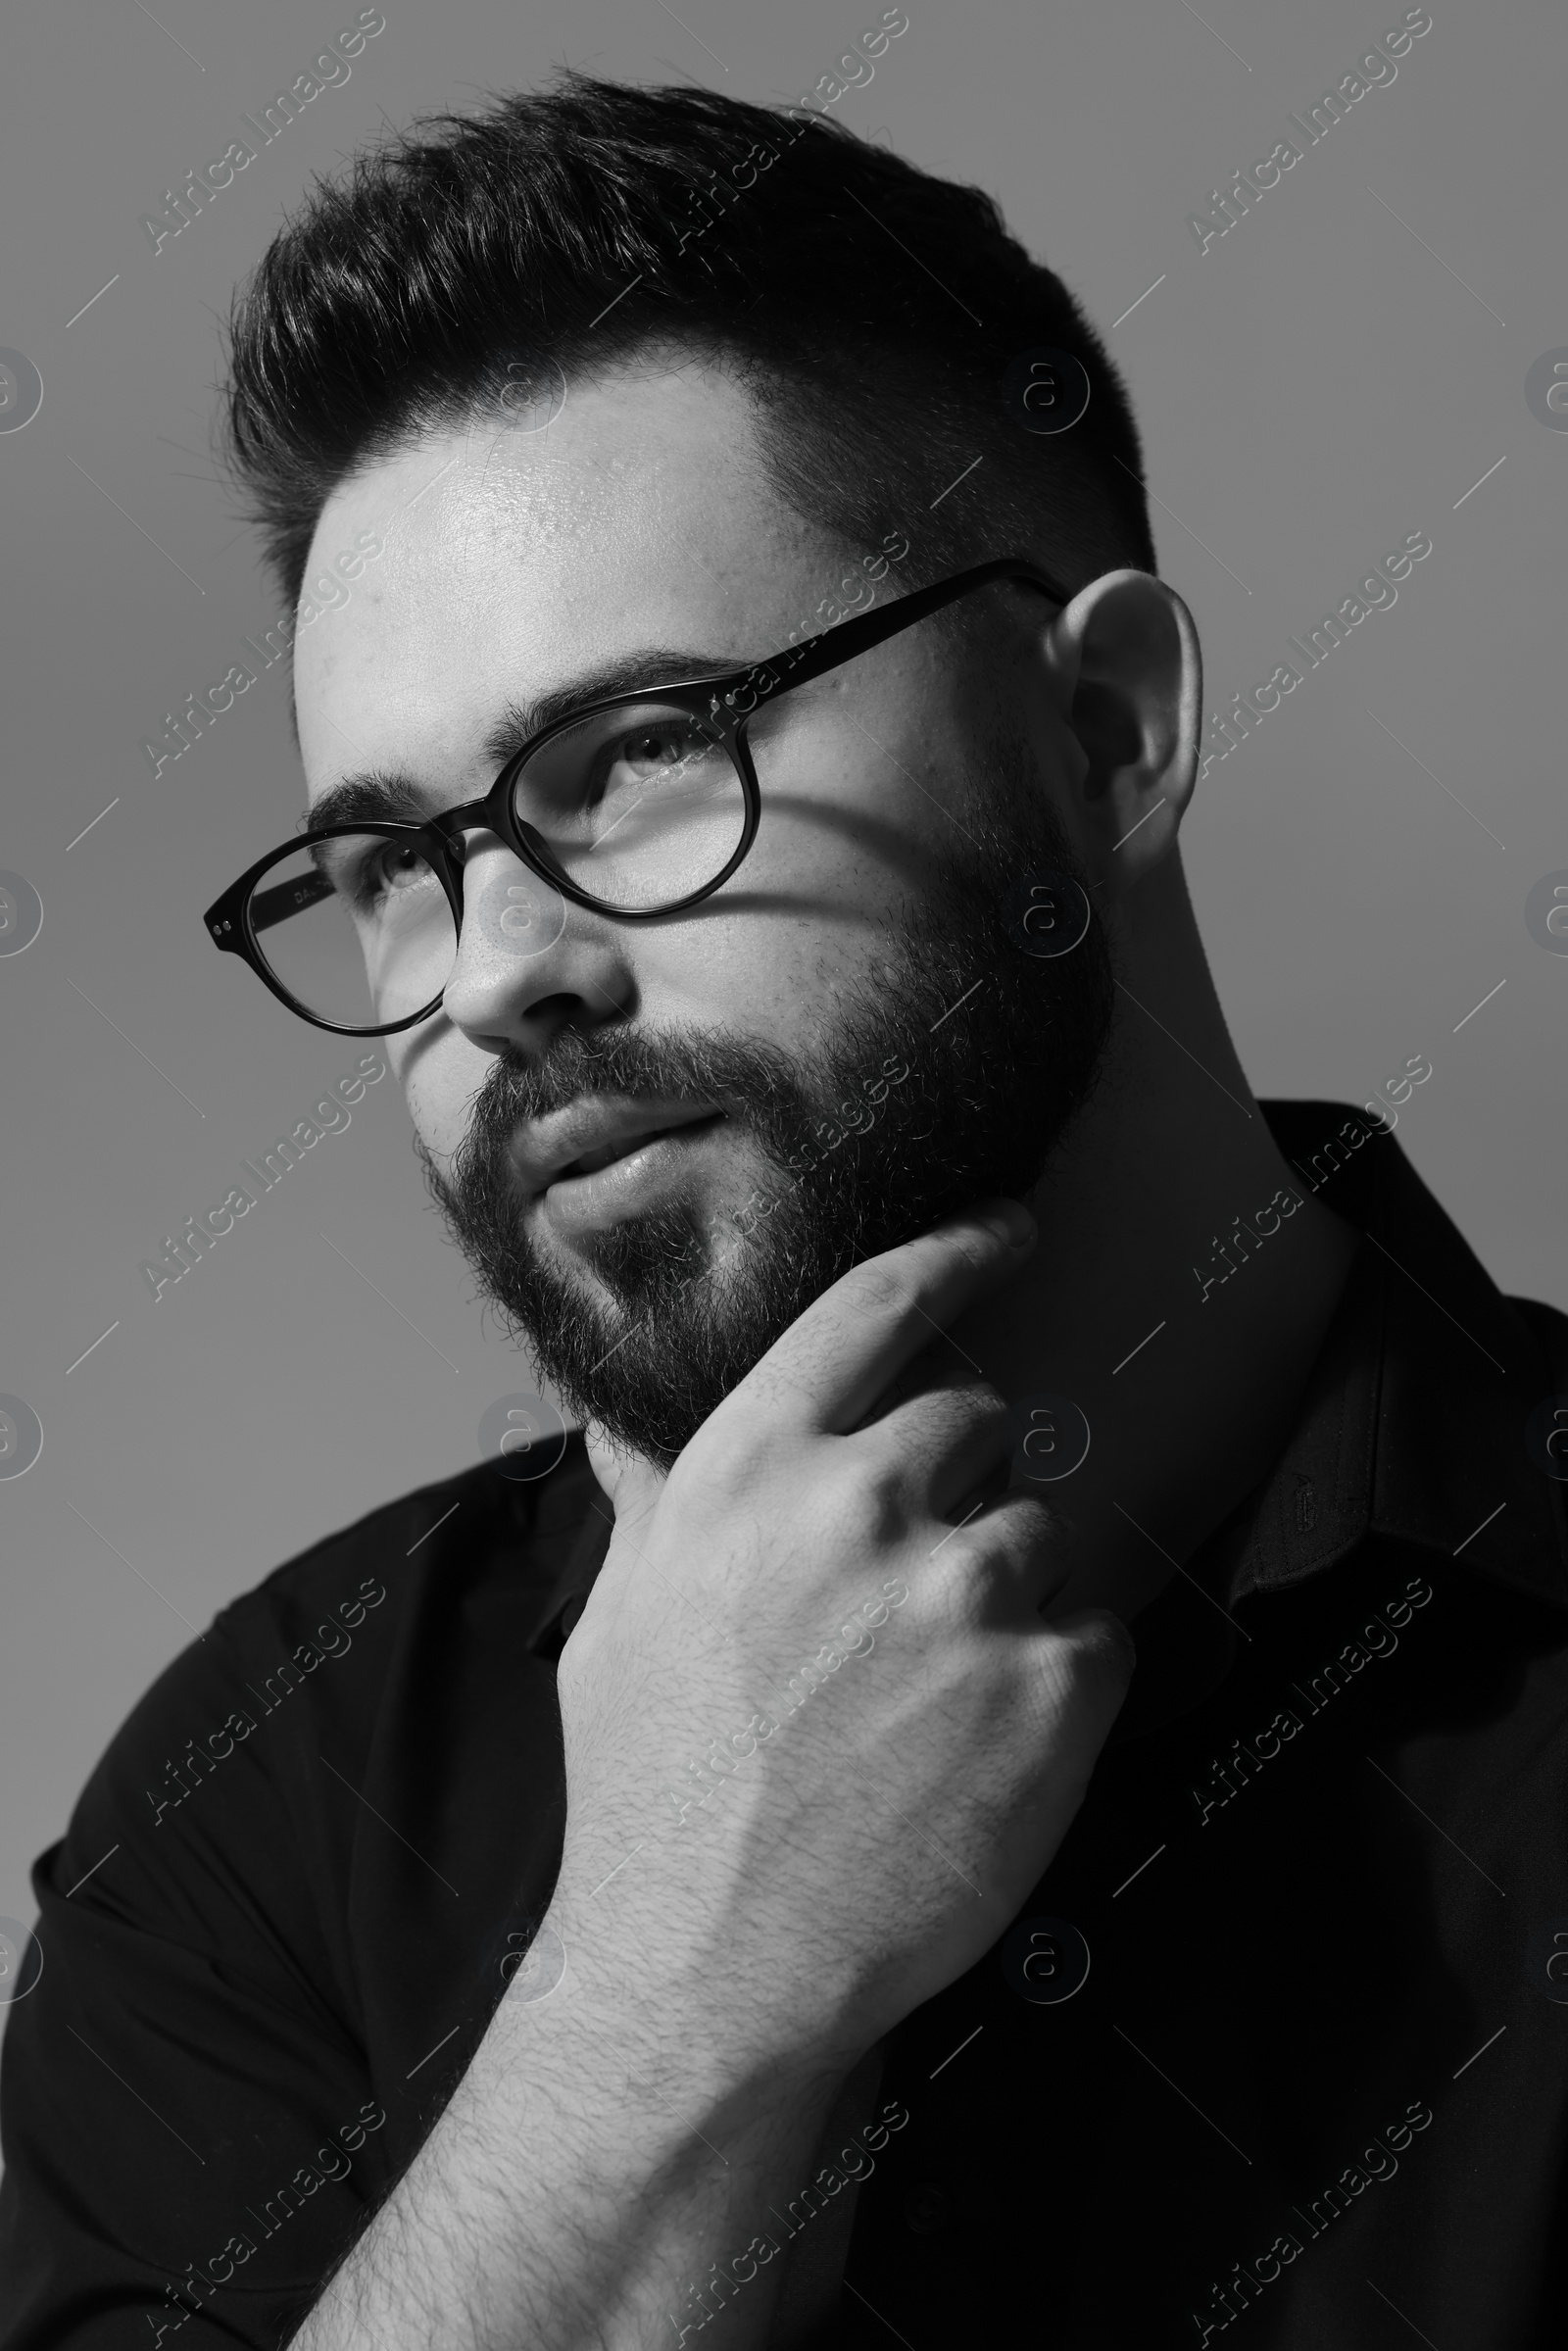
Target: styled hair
[(869, 309)]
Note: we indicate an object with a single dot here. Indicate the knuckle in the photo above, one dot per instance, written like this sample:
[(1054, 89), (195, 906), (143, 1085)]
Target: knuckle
[(713, 1477), (865, 1505), (1041, 1522), (954, 1399), (930, 1431), (879, 1289), (1027, 1523), (1111, 1650), (980, 1405), (1092, 1657), (970, 1243), (750, 1420), (1060, 1679)]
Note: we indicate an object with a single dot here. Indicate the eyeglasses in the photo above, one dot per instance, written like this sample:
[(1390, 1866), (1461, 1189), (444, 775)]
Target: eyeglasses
[(636, 806)]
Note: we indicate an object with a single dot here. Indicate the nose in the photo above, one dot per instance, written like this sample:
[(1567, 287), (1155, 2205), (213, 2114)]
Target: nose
[(527, 963)]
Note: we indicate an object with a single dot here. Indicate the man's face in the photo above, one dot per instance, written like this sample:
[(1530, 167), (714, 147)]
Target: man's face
[(840, 1046)]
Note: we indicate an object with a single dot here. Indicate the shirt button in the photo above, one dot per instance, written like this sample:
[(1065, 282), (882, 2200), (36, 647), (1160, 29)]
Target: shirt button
[(928, 2209)]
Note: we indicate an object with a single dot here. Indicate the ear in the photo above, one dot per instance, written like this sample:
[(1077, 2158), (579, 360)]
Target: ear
[(1128, 662)]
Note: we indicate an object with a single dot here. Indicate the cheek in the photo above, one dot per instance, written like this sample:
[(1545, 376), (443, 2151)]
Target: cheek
[(438, 1086), (826, 879), (824, 818), (780, 974), (858, 779)]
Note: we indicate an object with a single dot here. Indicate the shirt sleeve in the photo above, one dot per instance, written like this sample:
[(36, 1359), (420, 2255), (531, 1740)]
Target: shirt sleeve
[(191, 2136)]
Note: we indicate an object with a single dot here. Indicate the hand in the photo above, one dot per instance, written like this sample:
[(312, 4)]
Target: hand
[(897, 1739)]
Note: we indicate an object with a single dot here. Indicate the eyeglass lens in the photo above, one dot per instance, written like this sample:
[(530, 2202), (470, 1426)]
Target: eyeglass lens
[(640, 807)]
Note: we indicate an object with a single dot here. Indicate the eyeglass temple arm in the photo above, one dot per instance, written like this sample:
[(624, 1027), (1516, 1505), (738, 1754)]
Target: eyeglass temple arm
[(847, 638), (274, 905)]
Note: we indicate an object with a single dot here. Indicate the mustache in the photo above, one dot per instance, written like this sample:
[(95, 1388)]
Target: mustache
[(612, 1061), (754, 1082)]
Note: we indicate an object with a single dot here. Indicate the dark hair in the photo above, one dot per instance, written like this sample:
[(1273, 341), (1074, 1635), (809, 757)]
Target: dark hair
[(871, 310)]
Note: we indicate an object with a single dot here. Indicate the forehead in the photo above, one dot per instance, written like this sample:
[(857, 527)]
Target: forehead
[(510, 561)]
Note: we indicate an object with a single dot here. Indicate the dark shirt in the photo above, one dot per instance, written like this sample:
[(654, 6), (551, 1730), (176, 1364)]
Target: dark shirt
[(1312, 2085)]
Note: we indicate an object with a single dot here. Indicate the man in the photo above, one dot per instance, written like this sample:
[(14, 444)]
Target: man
[(644, 1890)]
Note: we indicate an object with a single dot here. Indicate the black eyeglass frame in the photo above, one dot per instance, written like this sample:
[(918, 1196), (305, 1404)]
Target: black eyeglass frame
[(727, 702)]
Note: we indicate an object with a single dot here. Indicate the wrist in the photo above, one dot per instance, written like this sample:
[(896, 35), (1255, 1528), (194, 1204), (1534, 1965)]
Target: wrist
[(686, 2017)]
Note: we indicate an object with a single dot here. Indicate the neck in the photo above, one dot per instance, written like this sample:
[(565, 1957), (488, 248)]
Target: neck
[(1189, 1391)]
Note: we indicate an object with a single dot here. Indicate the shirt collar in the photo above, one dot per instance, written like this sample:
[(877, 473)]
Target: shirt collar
[(1413, 1422)]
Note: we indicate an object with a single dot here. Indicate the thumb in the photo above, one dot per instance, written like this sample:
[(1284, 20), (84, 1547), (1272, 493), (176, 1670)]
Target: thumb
[(1086, 1660), (629, 1482)]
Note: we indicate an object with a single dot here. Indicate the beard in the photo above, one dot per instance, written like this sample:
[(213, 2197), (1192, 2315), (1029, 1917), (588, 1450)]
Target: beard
[(668, 1311)]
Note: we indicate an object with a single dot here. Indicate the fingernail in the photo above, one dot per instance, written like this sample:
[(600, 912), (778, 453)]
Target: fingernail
[(1009, 1220)]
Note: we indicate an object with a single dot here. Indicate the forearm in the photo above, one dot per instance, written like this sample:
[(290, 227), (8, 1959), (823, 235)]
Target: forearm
[(595, 2162)]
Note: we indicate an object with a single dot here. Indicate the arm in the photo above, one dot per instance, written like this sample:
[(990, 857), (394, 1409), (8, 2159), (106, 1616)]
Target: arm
[(598, 2157), (727, 1961)]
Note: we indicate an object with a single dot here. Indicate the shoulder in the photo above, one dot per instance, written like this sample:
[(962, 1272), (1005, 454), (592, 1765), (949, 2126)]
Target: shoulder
[(1549, 1327), (430, 1544), (415, 1570), (331, 1655), (249, 1916)]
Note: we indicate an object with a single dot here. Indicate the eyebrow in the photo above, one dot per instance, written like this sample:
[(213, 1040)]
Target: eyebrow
[(396, 798)]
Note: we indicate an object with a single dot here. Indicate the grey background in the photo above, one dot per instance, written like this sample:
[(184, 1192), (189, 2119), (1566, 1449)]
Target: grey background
[(1321, 382)]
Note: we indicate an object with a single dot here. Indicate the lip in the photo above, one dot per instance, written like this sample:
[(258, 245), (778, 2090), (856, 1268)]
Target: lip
[(599, 1132)]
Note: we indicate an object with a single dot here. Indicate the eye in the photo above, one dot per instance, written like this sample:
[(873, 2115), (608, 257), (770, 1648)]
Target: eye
[(390, 867), (670, 753), (655, 749), (398, 866), (376, 870)]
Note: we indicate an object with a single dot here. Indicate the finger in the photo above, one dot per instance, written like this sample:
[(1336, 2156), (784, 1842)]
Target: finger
[(1086, 1660), (985, 1491), (1019, 1549), (835, 1360), (629, 1482), (945, 1443)]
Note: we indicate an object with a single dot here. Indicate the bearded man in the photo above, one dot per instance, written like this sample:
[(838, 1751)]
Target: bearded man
[(710, 1872)]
